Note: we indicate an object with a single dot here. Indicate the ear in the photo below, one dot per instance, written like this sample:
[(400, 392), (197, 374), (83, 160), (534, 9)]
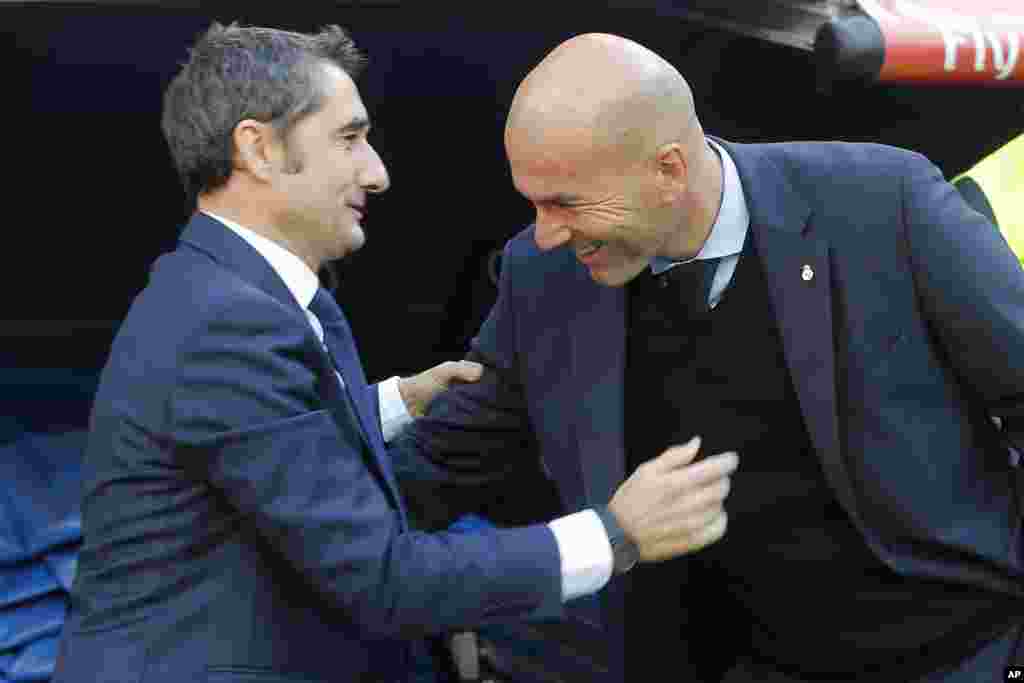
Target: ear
[(672, 171), (255, 148)]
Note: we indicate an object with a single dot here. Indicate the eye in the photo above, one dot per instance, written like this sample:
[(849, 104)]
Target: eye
[(351, 138)]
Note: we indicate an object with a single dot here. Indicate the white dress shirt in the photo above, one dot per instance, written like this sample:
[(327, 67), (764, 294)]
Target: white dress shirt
[(586, 554)]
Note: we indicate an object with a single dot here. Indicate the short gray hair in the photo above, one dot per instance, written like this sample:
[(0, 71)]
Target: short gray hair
[(236, 73)]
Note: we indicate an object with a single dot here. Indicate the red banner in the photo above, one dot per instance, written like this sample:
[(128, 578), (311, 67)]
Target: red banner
[(951, 41)]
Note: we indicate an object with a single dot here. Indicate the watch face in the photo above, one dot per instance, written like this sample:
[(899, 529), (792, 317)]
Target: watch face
[(624, 553), (625, 557)]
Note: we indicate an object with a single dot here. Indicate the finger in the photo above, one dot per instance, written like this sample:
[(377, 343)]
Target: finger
[(705, 497), (711, 532), (683, 484), (709, 469), (676, 544), (701, 530), (693, 524), (461, 371), (700, 474), (676, 456)]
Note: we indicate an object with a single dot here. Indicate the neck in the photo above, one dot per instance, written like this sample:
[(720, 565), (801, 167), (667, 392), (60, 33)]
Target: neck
[(701, 206), (255, 216)]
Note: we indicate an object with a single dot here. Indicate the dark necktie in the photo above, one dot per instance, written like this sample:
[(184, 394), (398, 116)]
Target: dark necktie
[(341, 347), (337, 337), (690, 284)]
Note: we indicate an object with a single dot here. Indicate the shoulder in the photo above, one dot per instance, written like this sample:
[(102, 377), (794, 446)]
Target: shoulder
[(527, 263), (190, 306), (834, 178), (190, 292), (816, 159)]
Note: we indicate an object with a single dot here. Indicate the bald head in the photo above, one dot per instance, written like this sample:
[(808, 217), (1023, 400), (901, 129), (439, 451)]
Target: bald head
[(603, 140), (616, 92)]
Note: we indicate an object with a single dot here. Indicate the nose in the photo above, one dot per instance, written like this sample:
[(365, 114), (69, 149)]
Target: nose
[(550, 232), (374, 177)]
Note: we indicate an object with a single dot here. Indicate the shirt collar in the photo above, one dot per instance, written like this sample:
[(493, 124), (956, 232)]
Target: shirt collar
[(730, 227), (300, 279)]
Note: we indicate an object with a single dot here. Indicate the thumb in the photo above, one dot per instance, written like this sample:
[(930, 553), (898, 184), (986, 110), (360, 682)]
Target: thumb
[(678, 456), (465, 371)]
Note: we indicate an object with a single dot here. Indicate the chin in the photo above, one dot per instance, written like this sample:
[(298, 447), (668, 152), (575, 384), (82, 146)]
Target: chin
[(351, 240), (606, 279), (615, 277)]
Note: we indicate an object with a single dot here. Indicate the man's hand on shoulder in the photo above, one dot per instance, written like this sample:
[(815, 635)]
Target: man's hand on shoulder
[(419, 390)]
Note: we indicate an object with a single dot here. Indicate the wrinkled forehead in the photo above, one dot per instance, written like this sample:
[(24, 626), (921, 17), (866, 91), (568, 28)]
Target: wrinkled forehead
[(548, 146), (561, 170), (563, 154)]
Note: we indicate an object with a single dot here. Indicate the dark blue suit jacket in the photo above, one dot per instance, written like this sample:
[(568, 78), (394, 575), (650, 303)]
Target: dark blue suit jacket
[(239, 524), (907, 337)]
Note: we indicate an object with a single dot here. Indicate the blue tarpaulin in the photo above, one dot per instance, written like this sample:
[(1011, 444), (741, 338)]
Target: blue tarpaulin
[(40, 532)]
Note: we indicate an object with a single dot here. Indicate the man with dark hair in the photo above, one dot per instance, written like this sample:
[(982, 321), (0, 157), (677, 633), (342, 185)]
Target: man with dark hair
[(833, 312), (240, 516)]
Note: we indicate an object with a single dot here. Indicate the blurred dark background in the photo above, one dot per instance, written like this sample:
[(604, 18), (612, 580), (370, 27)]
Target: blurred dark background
[(92, 198)]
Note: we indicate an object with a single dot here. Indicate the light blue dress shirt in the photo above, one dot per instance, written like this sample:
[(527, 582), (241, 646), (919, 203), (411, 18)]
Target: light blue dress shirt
[(730, 228)]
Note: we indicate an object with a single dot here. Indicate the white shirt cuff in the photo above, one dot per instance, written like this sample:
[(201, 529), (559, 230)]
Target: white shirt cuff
[(585, 551), (393, 413)]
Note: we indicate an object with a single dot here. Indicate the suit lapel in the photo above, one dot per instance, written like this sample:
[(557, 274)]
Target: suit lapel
[(803, 310), (796, 267), (598, 339), (227, 248), (342, 346)]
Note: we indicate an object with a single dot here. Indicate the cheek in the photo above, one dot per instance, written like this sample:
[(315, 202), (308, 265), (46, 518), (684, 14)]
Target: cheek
[(344, 177), (606, 215), (332, 173), (602, 225)]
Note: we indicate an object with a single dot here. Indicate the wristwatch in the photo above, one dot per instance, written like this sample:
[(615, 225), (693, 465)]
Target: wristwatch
[(625, 554)]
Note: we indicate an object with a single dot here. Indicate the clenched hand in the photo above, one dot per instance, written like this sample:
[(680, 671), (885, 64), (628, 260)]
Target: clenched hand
[(671, 506)]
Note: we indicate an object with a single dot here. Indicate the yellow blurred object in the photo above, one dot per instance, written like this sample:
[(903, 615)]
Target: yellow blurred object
[(1000, 178)]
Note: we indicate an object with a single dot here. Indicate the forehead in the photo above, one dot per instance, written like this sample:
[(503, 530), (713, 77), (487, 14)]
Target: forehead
[(549, 160), (556, 161), (341, 97), (548, 148)]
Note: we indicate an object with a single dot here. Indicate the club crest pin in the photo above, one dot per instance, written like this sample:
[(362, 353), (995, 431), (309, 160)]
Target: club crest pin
[(807, 274)]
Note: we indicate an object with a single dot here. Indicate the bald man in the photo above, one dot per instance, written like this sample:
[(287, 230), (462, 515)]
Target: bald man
[(832, 312)]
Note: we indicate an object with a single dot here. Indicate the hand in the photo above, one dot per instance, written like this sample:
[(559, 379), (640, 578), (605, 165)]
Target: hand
[(419, 390), (670, 507)]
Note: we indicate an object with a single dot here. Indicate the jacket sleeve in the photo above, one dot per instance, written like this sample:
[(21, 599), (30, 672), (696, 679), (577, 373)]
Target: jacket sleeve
[(972, 289), (476, 434), (247, 416)]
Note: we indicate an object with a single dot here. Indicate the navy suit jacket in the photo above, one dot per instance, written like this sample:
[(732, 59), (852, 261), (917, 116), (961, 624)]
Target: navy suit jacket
[(907, 337), (240, 523)]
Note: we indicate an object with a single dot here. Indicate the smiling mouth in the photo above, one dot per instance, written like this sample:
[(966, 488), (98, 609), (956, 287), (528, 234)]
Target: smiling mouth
[(359, 210)]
